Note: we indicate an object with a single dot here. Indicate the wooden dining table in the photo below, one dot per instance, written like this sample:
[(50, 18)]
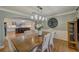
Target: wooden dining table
[(27, 44)]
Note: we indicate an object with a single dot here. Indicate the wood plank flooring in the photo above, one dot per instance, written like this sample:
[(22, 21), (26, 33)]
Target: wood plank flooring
[(59, 46)]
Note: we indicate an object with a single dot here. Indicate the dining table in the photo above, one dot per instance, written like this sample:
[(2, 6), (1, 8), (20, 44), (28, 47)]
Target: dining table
[(27, 44)]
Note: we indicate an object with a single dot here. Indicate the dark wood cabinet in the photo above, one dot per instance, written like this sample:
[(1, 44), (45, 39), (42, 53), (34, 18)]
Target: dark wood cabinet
[(73, 34), (21, 30)]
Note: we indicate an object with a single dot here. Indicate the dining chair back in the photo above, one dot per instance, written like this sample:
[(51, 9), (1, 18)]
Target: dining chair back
[(46, 42), (10, 45), (51, 42), (44, 45)]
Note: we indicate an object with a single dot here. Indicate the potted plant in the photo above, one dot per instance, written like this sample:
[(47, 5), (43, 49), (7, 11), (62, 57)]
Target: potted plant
[(39, 27)]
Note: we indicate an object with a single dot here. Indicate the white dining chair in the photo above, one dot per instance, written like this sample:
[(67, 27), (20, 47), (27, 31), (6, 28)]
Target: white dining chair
[(44, 45), (35, 49), (46, 42), (10, 45), (51, 42)]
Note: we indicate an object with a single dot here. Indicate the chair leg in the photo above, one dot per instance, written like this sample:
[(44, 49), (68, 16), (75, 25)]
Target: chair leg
[(35, 49), (51, 48), (48, 50)]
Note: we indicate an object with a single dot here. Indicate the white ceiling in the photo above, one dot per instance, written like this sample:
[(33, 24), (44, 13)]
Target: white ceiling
[(46, 11)]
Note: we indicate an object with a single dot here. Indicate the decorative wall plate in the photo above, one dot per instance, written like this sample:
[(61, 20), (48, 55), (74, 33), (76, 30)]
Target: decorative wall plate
[(52, 22)]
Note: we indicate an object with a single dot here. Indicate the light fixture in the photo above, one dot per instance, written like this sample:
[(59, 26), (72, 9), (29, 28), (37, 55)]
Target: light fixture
[(43, 18), (32, 17), (38, 17)]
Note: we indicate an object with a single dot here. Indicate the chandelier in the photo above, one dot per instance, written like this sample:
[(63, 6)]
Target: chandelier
[(38, 17)]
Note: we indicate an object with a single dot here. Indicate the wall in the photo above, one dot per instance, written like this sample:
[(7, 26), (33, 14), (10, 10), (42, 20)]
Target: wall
[(2, 16), (61, 29), (1, 31), (24, 22), (62, 21)]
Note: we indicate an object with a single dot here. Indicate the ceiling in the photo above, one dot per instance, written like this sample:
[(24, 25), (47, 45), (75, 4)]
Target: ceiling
[(46, 11)]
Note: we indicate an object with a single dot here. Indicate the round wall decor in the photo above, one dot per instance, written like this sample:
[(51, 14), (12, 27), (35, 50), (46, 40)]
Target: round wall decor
[(52, 22)]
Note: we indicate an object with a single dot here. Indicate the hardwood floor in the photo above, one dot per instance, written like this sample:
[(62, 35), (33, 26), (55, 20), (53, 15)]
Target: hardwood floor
[(59, 46), (6, 48)]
